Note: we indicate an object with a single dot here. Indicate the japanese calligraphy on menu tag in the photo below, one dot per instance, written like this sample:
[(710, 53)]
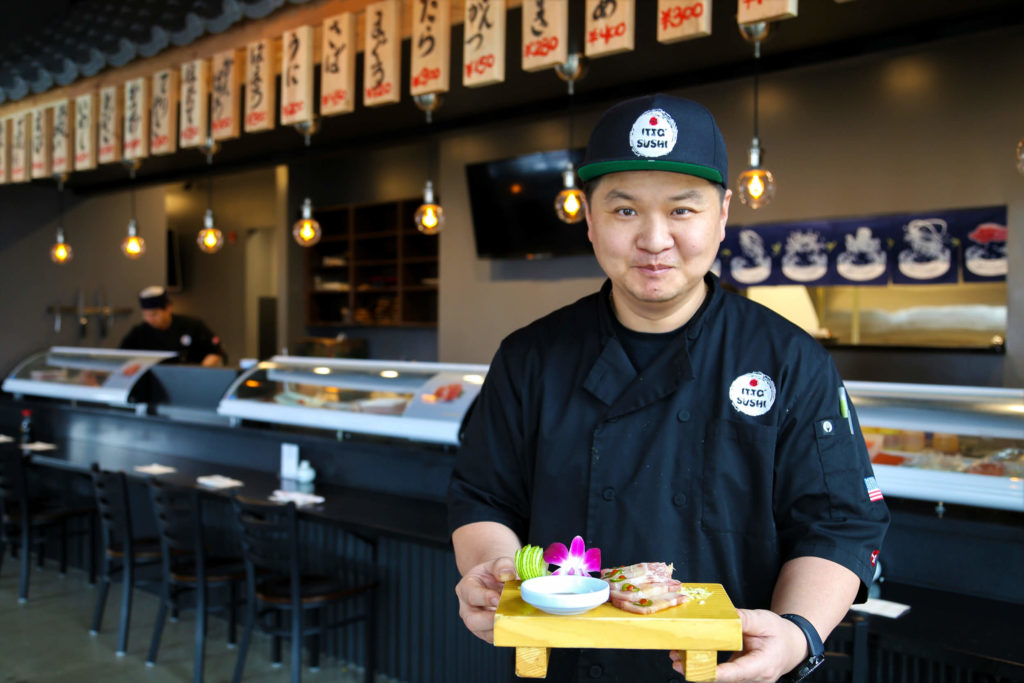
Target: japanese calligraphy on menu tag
[(110, 126), (338, 65), (297, 75), (194, 107), (5, 149), (41, 125), (683, 20), (750, 11), (259, 87), (163, 113), (545, 33), (382, 44), (136, 118), (431, 46), (85, 132), (61, 146), (610, 27), (224, 123), (483, 48), (19, 148)]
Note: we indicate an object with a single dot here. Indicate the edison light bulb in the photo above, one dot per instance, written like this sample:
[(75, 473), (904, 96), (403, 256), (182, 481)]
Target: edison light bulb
[(1020, 156), (430, 216), (210, 239), (60, 253), (133, 246), (569, 202), (756, 184), (306, 230)]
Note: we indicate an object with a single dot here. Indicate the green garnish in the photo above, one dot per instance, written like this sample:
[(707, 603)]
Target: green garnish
[(530, 562)]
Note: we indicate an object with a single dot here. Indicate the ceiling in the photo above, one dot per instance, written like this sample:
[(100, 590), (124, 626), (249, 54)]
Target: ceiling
[(824, 31)]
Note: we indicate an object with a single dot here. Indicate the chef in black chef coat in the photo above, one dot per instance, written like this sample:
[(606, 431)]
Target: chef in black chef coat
[(666, 420), (162, 330)]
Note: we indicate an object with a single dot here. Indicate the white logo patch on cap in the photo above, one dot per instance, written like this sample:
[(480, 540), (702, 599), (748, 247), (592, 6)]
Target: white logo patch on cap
[(186, 340), (752, 394), (653, 134)]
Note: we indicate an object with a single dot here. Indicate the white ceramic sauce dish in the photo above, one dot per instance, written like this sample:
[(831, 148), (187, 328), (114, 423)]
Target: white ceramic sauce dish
[(563, 594)]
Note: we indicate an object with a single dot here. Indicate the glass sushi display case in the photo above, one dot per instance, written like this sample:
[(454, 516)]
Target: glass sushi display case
[(83, 374), (411, 400), (949, 444)]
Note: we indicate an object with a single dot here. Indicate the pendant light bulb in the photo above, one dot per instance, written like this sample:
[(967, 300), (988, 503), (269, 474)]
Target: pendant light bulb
[(430, 216), (756, 184), (306, 230), (1020, 155), (133, 246), (60, 253), (210, 239), (569, 202)]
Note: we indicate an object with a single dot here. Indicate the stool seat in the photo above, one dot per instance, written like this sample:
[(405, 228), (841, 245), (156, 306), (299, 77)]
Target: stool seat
[(312, 589), (218, 570), (142, 549)]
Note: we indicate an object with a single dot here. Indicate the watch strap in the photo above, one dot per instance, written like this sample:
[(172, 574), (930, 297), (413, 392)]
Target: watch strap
[(814, 645)]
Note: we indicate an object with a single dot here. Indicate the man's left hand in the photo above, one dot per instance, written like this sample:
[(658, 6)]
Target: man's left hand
[(772, 647), (212, 360)]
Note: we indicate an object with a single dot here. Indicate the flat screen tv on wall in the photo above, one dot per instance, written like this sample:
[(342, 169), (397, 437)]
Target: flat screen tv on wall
[(513, 207)]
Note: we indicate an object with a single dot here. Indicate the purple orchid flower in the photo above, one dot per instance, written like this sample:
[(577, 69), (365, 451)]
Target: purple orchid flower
[(573, 560)]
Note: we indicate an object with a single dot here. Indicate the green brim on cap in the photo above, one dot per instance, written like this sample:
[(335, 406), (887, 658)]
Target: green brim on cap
[(605, 167)]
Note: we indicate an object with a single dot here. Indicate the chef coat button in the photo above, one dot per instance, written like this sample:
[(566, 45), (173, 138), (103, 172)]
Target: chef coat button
[(608, 494), (679, 499), (683, 415), (596, 670)]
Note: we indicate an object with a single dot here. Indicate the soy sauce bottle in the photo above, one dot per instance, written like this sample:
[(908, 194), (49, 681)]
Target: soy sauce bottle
[(26, 426)]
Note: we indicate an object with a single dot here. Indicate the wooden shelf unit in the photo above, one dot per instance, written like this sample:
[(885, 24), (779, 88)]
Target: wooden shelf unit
[(372, 268)]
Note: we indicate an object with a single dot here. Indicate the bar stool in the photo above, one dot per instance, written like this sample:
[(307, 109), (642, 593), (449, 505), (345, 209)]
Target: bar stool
[(123, 552), (276, 585), (25, 519), (188, 567)]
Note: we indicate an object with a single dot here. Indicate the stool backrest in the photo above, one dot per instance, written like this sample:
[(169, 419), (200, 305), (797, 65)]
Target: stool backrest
[(179, 523), (111, 490), (270, 538)]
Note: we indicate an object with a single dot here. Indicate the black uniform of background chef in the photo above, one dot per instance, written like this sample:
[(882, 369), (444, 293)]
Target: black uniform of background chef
[(664, 419), (162, 330)]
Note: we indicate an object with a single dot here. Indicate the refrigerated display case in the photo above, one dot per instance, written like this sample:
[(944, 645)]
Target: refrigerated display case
[(948, 444), (83, 374), (410, 400)]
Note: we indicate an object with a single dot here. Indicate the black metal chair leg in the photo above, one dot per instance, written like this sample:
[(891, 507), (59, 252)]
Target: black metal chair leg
[(26, 563), (314, 641), (371, 638), (158, 627), (275, 641), (3, 551), (63, 547), (101, 599), (296, 644), (200, 649), (232, 613), (90, 552), (250, 618), (126, 606)]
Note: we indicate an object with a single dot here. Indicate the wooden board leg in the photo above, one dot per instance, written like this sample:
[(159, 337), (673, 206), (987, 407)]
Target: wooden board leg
[(532, 662), (699, 665)]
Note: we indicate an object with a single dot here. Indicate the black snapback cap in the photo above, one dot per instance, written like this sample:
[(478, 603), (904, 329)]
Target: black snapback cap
[(657, 133), (153, 297)]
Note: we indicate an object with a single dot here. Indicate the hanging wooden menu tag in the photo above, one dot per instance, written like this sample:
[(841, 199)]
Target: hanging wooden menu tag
[(259, 87), (136, 118), (5, 152), (545, 33), (297, 75), (224, 123), (85, 132), (338, 65), (610, 27), (483, 48), (61, 147), (382, 49), (431, 46), (751, 11), (194, 106), (41, 132), (110, 126), (20, 150), (683, 19), (163, 113)]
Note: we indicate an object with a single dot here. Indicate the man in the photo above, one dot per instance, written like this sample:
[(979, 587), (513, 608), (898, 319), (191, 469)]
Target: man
[(664, 419), (162, 330)]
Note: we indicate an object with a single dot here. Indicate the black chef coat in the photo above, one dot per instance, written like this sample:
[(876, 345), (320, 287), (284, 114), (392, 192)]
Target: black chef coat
[(662, 465), (189, 337)]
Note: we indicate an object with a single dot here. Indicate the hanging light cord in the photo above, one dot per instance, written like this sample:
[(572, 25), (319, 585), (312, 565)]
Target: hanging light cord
[(757, 62)]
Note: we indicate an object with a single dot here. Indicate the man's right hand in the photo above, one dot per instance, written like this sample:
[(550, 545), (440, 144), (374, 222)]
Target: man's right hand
[(479, 592)]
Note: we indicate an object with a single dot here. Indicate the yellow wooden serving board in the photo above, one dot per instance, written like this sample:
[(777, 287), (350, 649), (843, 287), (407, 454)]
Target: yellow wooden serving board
[(700, 628)]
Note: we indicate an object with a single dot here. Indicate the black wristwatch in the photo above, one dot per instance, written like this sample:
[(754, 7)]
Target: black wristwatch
[(817, 649)]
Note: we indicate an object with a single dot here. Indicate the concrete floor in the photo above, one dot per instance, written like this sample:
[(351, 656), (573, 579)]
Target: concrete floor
[(47, 640)]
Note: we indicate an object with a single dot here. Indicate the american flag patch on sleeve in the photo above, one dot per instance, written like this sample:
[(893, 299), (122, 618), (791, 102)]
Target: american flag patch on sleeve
[(874, 493)]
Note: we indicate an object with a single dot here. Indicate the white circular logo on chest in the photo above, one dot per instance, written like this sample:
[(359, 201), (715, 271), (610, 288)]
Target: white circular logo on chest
[(186, 340), (653, 134), (752, 394)]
